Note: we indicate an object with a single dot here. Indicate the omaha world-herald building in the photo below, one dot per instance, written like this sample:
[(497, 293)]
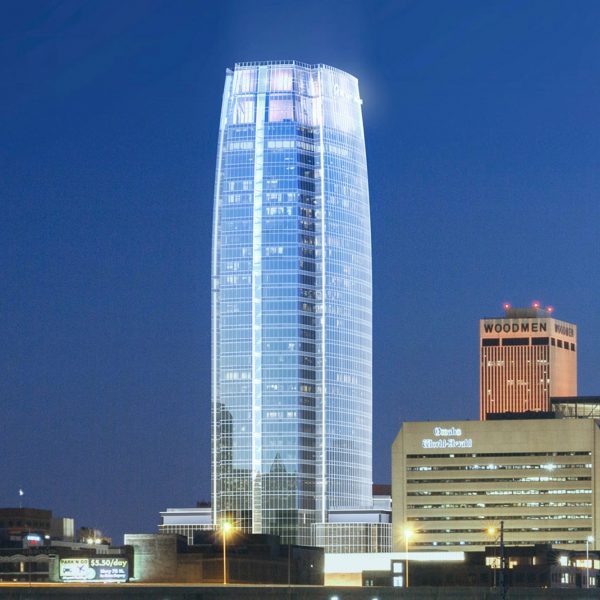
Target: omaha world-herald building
[(291, 301), (527, 357), (452, 481)]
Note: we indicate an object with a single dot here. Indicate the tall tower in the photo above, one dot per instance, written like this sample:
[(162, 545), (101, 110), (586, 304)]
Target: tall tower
[(291, 300), (526, 356)]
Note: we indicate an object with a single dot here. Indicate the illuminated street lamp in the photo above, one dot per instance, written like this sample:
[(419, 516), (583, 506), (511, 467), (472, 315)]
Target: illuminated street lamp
[(590, 538), (226, 527), (493, 533), (503, 574), (408, 532)]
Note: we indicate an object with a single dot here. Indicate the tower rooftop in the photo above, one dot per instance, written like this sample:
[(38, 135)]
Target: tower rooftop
[(528, 312)]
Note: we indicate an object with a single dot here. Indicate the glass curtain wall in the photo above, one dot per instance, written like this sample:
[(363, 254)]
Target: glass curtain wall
[(291, 300)]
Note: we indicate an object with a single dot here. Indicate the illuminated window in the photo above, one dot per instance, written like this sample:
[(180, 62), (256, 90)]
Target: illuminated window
[(245, 81), (243, 111), (281, 80), (281, 109)]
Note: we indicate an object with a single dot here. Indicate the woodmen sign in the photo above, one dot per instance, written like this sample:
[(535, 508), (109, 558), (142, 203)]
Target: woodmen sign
[(522, 327)]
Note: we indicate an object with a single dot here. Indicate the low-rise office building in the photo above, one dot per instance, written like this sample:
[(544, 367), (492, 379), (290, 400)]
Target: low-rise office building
[(453, 481), (538, 566), (349, 569), (15, 522), (186, 521), (357, 531), (59, 561), (347, 537), (251, 558), (37, 547), (346, 530)]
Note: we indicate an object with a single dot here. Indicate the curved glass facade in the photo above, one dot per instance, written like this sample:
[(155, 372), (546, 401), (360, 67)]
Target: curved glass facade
[(291, 300)]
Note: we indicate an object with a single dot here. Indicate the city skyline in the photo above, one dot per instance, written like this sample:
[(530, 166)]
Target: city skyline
[(291, 300), (482, 142)]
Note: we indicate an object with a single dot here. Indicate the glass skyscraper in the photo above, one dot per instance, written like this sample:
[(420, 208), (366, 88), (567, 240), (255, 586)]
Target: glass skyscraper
[(291, 300)]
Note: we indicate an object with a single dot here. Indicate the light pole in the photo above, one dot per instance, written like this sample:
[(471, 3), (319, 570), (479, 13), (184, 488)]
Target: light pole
[(289, 573), (503, 579), (502, 562), (225, 528), (407, 535), (589, 539), (492, 531)]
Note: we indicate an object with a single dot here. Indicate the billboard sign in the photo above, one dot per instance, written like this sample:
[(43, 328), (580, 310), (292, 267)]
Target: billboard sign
[(104, 569), (33, 539)]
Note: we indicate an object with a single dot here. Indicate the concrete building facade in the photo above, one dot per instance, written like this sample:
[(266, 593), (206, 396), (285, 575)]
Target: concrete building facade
[(260, 559), (451, 481)]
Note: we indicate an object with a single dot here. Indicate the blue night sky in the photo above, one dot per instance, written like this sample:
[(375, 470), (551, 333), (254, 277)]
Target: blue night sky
[(483, 142)]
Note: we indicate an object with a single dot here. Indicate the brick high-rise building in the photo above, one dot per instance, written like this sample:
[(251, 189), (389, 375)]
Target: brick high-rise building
[(526, 357)]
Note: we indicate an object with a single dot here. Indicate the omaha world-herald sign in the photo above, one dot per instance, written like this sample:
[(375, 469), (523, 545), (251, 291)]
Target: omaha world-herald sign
[(446, 437)]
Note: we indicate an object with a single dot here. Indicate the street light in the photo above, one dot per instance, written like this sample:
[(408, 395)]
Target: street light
[(493, 532), (408, 532), (503, 575), (226, 527), (590, 538)]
